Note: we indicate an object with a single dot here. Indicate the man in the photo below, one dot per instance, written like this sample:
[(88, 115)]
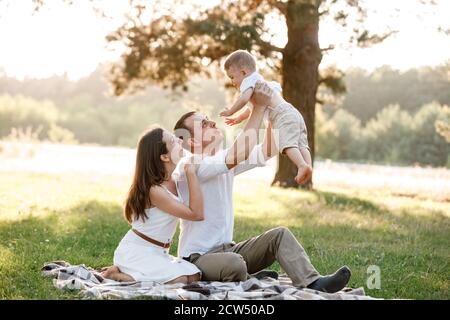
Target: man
[(208, 243)]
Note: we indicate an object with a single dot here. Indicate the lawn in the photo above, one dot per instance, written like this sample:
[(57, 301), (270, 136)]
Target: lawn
[(78, 218)]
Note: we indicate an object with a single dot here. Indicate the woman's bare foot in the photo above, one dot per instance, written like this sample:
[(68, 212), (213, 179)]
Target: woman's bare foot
[(115, 274), (193, 278), (185, 279), (106, 272)]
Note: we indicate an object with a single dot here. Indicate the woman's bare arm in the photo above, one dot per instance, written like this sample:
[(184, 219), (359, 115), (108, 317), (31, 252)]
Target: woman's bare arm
[(162, 200)]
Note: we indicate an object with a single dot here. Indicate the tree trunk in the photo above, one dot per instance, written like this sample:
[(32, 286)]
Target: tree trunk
[(301, 59)]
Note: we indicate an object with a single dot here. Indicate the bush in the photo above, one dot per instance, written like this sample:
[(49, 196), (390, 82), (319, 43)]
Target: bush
[(58, 134), (22, 112), (387, 137), (338, 137), (392, 137), (443, 128), (429, 147)]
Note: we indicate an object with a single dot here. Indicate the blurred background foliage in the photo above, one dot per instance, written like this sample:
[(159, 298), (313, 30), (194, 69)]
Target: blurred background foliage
[(386, 116)]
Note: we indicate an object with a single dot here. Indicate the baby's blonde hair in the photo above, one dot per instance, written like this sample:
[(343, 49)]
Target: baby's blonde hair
[(241, 59)]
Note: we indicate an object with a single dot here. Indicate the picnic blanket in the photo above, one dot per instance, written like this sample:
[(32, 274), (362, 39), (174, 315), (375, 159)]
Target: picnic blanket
[(92, 285)]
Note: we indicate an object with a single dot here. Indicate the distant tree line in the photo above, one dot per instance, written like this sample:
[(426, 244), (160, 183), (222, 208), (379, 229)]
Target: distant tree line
[(386, 116), (369, 93), (88, 114), (393, 136)]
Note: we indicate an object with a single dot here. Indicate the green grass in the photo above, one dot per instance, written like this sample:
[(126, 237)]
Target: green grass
[(78, 219)]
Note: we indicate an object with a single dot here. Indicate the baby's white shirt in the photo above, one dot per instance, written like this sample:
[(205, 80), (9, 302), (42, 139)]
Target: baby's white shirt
[(250, 82)]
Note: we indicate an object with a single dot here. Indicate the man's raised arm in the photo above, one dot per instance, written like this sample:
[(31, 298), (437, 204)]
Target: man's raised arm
[(269, 147), (246, 140)]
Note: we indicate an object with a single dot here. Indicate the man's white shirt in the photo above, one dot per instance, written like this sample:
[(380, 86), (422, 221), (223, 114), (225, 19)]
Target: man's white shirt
[(216, 182)]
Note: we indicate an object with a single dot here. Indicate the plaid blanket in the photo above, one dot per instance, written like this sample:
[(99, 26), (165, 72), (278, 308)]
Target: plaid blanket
[(93, 286)]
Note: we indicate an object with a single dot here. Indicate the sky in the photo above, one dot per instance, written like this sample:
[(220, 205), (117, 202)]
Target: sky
[(62, 39)]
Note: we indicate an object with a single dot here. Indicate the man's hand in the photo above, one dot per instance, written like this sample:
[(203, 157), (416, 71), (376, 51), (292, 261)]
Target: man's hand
[(262, 95), (246, 140)]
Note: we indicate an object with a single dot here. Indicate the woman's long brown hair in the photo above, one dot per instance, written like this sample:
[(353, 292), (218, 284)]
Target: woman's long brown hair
[(149, 172)]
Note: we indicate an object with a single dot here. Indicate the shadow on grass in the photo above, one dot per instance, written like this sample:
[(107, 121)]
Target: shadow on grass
[(87, 233), (84, 234), (413, 265), (434, 223), (409, 269), (411, 250), (337, 200)]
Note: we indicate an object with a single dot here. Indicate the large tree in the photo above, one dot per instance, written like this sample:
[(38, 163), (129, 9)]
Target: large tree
[(168, 41), (168, 47)]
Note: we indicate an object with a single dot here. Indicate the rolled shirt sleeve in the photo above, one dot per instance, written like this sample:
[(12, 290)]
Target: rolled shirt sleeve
[(250, 82), (209, 167), (255, 159), (215, 165)]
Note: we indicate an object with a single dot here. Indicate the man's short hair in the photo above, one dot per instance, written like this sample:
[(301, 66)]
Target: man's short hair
[(181, 129), (240, 58)]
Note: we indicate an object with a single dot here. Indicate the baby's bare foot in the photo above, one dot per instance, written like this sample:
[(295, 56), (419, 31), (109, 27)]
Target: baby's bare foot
[(303, 174)]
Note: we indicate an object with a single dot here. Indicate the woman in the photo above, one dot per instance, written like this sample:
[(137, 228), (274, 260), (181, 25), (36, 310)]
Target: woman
[(153, 209)]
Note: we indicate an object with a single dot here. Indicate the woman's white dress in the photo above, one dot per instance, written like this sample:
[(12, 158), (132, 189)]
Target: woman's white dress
[(145, 261)]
